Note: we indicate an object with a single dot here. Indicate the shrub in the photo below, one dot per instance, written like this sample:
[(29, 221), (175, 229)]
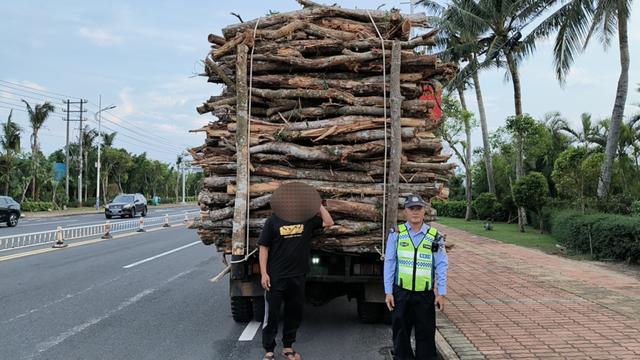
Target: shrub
[(606, 236), (531, 192), (451, 208), (36, 206), (486, 206)]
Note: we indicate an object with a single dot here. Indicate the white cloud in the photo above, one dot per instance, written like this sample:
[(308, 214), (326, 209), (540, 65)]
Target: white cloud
[(99, 37), (125, 105)]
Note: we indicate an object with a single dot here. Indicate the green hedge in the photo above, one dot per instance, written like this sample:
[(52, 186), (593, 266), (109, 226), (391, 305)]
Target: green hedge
[(613, 237), (451, 208), (36, 206)]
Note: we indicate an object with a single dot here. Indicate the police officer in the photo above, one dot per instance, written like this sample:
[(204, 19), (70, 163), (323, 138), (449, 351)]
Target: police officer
[(415, 258)]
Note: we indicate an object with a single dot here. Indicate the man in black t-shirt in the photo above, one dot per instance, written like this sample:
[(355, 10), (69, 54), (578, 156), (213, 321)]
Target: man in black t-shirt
[(284, 263)]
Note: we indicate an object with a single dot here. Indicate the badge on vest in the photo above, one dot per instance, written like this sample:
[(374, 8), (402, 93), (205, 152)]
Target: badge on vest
[(404, 243)]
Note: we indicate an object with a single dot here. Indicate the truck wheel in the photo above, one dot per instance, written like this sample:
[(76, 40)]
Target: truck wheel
[(241, 309), (368, 312), (258, 308)]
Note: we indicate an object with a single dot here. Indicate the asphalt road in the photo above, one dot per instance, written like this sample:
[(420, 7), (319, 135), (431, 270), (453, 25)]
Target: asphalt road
[(94, 302), (30, 225)]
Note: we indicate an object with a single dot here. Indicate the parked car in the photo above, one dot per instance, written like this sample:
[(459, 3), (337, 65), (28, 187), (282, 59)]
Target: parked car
[(9, 211), (126, 204)]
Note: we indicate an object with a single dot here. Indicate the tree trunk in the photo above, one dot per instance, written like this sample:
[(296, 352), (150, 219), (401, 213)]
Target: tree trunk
[(467, 159), (515, 78), (517, 98), (488, 161), (618, 107)]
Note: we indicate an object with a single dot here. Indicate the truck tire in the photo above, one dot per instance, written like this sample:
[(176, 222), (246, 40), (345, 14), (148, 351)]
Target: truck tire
[(258, 308), (369, 312), (241, 309)]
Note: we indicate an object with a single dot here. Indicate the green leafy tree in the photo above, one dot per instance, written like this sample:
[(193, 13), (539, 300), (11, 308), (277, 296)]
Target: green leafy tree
[(459, 121), (37, 118), (575, 23), (575, 173), (486, 206), (520, 126), (10, 142), (531, 192)]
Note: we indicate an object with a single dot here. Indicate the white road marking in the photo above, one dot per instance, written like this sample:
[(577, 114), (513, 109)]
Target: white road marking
[(250, 331), (53, 341), (48, 223), (159, 255)]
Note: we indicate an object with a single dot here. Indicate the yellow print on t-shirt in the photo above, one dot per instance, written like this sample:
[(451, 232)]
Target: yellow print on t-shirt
[(291, 230)]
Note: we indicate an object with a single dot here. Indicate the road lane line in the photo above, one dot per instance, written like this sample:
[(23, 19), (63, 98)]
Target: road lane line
[(53, 341), (250, 331), (49, 223), (160, 255), (72, 245)]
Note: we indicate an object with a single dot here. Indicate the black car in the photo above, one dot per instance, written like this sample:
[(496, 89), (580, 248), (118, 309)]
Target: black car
[(126, 204), (9, 211)]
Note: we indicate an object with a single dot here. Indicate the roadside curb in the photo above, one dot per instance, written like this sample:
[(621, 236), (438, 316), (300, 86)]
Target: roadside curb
[(451, 343), (43, 215)]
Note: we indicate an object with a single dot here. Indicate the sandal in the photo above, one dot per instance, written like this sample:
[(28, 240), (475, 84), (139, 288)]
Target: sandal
[(269, 357), (291, 355)]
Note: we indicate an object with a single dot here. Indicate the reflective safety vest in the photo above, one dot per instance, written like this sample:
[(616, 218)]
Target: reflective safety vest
[(415, 264)]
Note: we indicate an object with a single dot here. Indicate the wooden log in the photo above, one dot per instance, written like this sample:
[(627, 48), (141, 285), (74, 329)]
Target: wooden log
[(396, 141), (367, 86), (242, 154), (217, 182), (214, 199), (353, 209), (312, 174), (262, 126), (341, 152), (339, 188), (319, 12), (371, 135), (226, 213)]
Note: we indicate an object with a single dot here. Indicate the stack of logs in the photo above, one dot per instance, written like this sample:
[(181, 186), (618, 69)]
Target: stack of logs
[(317, 115)]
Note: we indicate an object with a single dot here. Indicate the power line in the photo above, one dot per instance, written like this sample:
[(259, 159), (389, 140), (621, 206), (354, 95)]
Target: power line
[(12, 108), (12, 104), (139, 137), (138, 141), (39, 90), (142, 131), (41, 97), (144, 136)]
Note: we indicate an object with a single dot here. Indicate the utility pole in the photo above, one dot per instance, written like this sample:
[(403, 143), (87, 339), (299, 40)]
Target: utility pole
[(66, 157), (183, 182), (82, 102), (68, 110), (98, 117)]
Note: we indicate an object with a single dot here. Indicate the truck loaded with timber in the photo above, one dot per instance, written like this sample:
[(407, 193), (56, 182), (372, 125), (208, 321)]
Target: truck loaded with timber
[(342, 100)]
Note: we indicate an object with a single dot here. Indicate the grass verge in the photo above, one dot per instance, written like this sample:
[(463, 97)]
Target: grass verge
[(507, 233)]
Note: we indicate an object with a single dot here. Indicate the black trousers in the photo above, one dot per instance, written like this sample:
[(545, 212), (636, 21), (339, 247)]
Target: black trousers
[(414, 310), (290, 292)]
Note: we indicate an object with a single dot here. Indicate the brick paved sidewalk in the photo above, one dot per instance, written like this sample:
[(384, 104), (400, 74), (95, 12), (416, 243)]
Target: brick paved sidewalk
[(510, 302)]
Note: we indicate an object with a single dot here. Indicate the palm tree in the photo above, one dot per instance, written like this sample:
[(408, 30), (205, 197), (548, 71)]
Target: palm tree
[(37, 117), (10, 142), (497, 24), (576, 22), (586, 135), (457, 44), (107, 139), (107, 142), (88, 137)]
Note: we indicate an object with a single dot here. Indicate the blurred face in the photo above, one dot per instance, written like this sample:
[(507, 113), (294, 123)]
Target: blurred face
[(415, 214)]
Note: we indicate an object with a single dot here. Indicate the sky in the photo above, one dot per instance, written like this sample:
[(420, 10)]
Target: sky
[(144, 57)]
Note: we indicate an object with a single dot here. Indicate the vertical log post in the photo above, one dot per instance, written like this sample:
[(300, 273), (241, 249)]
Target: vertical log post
[(396, 142), (239, 233)]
